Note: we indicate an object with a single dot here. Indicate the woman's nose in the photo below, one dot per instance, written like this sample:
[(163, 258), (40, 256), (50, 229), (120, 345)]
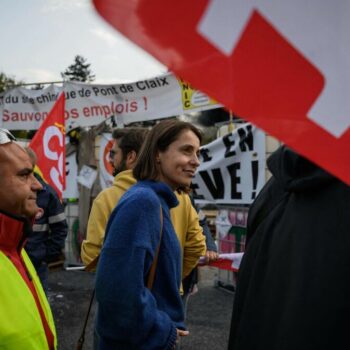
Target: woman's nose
[(195, 160)]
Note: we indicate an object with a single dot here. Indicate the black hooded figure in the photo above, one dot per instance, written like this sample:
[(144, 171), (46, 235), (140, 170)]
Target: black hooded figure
[(293, 290)]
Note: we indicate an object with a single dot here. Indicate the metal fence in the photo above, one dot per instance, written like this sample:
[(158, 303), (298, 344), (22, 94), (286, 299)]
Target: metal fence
[(74, 238)]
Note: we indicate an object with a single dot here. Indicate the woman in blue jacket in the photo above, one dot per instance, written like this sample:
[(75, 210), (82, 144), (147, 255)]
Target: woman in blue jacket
[(131, 316)]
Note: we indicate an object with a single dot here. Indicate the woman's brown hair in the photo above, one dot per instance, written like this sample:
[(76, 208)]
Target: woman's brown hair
[(158, 140)]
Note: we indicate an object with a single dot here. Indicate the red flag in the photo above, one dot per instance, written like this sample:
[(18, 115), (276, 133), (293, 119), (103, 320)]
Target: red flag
[(222, 264), (274, 63), (49, 146)]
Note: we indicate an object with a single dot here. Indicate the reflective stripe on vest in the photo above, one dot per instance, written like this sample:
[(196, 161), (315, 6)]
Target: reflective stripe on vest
[(20, 323)]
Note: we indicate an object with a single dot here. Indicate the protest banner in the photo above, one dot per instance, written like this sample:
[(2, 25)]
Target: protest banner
[(91, 104), (232, 169)]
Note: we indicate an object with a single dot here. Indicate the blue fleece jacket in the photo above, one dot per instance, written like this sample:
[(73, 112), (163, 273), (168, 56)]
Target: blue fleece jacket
[(130, 316)]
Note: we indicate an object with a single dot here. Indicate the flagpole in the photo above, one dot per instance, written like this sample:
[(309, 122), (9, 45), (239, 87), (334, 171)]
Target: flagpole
[(39, 83), (231, 125)]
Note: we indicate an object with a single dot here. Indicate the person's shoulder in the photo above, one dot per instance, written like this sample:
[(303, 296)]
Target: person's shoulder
[(183, 198), (142, 190), (105, 201), (105, 193), (141, 194)]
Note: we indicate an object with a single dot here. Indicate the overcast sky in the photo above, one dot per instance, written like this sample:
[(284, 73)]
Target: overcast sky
[(40, 39)]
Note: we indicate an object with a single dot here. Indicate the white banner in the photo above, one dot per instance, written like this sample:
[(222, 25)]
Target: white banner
[(87, 176), (71, 190), (232, 169), (88, 104)]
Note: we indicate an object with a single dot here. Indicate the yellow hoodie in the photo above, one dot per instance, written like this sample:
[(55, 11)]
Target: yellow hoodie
[(184, 218)]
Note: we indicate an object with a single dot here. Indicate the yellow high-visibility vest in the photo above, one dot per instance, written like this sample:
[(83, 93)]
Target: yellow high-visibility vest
[(21, 327)]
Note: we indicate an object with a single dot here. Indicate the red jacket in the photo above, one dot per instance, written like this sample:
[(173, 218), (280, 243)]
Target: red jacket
[(13, 231)]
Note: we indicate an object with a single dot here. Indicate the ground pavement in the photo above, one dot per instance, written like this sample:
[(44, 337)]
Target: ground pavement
[(208, 317)]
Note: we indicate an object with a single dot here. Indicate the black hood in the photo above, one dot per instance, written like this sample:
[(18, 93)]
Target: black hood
[(295, 173)]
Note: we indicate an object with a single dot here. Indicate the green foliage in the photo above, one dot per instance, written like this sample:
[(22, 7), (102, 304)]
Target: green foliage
[(7, 82), (22, 134), (78, 71)]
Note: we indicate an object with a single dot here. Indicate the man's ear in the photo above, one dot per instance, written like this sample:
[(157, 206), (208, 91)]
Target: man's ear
[(131, 158)]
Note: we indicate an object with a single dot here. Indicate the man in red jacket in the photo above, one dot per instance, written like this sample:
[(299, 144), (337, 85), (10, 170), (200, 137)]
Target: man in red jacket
[(22, 298)]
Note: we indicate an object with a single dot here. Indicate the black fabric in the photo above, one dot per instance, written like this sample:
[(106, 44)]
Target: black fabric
[(189, 281), (293, 289), (46, 246)]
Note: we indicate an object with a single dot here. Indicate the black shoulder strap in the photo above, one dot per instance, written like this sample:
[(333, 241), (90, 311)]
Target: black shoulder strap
[(152, 271)]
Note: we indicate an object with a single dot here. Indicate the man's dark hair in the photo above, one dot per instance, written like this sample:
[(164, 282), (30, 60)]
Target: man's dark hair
[(130, 139)]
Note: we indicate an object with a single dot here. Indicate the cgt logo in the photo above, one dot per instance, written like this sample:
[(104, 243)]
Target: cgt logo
[(53, 143)]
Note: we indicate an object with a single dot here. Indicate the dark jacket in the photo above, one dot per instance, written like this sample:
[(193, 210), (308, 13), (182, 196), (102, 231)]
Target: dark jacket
[(293, 288), (47, 239), (130, 316)]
